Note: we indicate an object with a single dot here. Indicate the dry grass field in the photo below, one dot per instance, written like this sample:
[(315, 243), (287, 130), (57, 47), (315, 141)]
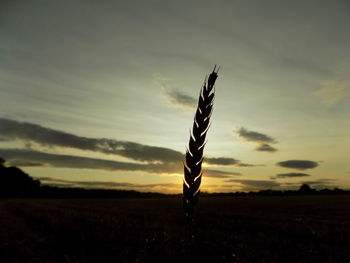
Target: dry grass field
[(228, 229)]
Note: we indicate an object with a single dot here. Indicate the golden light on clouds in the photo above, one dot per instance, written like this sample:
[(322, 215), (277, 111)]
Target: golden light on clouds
[(112, 99)]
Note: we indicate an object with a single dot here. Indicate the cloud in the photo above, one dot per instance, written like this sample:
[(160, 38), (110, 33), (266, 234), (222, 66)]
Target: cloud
[(42, 159), (249, 165), (226, 161), (298, 164), (252, 185), (288, 175), (333, 92), (253, 136), (30, 133), (218, 173), (24, 163), (221, 161), (23, 156), (263, 141), (164, 187), (265, 148), (323, 180), (177, 98)]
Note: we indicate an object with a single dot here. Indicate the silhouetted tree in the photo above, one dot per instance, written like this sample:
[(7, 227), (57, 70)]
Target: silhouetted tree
[(2, 162), (16, 183), (305, 189)]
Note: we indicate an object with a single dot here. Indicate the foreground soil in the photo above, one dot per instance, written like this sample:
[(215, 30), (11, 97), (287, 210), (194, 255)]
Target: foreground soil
[(227, 229)]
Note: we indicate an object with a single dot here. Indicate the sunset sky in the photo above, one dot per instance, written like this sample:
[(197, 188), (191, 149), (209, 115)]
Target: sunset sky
[(102, 94)]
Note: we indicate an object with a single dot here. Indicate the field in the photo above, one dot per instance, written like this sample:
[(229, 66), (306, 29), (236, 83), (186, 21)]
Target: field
[(227, 229)]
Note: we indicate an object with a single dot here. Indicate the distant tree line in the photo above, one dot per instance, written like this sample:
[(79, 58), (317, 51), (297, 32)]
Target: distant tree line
[(16, 183), (304, 189)]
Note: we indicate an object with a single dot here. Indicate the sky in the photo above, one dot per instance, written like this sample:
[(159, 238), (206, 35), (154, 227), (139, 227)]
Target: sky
[(102, 94)]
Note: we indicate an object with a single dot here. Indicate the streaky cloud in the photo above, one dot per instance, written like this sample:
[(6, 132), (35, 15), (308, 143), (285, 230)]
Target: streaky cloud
[(218, 173), (262, 141), (102, 184), (28, 132), (291, 175), (177, 98), (24, 163), (265, 148), (23, 156), (221, 161), (253, 136), (249, 165), (54, 138), (254, 184), (173, 95), (43, 159), (225, 161)]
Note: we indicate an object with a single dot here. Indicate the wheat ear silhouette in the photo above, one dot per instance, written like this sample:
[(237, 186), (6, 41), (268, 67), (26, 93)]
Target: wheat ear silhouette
[(194, 153)]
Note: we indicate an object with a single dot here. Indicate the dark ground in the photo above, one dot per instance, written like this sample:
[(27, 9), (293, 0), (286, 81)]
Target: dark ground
[(228, 229)]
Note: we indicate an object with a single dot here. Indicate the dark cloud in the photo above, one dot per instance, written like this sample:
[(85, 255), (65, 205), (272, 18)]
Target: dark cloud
[(104, 184), (218, 173), (221, 161), (227, 161), (24, 163), (263, 141), (298, 164), (53, 138), (254, 184), (66, 161), (248, 165), (36, 158), (265, 148), (253, 136), (175, 96), (30, 133), (289, 175), (178, 98)]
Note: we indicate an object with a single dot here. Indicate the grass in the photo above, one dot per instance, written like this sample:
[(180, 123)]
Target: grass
[(229, 229)]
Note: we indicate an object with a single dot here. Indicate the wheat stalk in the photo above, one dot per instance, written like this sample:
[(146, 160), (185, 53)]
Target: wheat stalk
[(194, 153)]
